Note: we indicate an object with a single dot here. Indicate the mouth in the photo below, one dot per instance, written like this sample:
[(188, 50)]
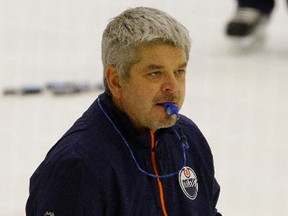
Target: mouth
[(166, 102), (170, 108)]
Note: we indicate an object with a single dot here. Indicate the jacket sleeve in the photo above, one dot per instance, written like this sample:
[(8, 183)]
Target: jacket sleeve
[(216, 196), (59, 190)]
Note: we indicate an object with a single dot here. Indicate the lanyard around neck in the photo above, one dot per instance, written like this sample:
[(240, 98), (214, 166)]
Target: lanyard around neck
[(180, 135)]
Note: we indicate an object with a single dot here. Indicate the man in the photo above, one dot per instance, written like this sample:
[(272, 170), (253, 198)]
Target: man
[(131, 153)]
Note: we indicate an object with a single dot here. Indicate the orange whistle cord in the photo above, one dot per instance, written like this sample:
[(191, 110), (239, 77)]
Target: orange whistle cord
[(160, 186)]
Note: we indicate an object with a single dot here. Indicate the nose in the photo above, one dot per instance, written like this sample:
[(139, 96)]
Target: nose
[(170, 83)]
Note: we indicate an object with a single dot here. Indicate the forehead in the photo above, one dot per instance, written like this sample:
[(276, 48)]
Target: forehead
[(159, 57), (160, 52)]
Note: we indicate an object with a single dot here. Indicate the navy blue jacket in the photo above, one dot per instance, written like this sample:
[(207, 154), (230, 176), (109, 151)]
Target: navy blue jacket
[(102, 166)]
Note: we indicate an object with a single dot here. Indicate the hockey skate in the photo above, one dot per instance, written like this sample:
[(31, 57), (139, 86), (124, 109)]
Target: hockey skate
[(246, 29)]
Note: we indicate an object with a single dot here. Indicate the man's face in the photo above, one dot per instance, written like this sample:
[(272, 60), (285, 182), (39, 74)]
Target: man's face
[(158, 77)]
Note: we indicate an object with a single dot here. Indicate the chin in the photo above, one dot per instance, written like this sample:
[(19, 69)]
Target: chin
[(168, 122)]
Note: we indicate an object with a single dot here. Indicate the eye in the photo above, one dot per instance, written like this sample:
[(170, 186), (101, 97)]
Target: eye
[(180, 72), (155, 73)]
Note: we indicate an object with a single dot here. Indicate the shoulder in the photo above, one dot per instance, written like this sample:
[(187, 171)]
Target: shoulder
[(86, 136), (59, 185), (196, 140), (60, 168), (189, 126), (192, 131)]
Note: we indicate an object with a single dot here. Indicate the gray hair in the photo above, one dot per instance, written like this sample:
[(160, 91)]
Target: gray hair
[(135, 27)]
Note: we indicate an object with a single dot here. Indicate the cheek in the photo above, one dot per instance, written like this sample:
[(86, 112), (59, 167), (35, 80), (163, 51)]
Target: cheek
[(133, 96), (140, 93), (183, 92), (142, 90)]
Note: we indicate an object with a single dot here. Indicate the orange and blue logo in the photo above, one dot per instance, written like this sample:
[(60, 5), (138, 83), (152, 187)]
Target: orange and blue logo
[(188, 182)]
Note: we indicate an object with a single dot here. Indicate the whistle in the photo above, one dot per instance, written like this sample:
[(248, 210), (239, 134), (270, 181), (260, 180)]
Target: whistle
[(171, 109)]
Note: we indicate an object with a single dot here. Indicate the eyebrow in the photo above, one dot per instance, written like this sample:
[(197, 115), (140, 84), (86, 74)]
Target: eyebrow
[(154, 66)]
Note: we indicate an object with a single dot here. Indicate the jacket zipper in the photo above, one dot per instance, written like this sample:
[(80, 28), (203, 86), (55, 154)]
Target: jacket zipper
[(160, 186)]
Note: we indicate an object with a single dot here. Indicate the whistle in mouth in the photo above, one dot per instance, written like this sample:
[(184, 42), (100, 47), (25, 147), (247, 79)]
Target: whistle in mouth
[(171, 109)]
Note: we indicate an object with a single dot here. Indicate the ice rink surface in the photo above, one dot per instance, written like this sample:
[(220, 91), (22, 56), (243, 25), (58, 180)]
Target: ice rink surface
[(237, 98)]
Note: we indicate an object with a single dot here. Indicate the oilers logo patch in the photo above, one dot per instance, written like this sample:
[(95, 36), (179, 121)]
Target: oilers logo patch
[(188, 182)]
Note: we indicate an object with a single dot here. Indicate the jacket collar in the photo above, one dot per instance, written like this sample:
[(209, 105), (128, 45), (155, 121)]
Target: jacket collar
[(124, 125)]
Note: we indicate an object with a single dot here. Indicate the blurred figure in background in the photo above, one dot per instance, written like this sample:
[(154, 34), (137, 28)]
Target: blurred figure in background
[(248, 24), (250, 16)]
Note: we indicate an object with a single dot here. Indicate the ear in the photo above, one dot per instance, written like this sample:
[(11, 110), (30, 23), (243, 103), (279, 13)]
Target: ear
[(114, 81)]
